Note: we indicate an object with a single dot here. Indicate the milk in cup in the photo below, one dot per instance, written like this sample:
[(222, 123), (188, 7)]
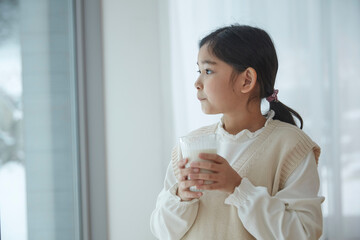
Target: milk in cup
[(192, 146)]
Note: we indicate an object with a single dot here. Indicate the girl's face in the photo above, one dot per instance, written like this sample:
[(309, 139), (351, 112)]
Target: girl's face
[(215, 91)]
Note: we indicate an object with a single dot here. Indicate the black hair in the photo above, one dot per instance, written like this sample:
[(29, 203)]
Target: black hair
[(243, 46)]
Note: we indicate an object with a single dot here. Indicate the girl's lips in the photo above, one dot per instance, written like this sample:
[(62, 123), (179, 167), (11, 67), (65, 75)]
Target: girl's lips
[(200, 98)]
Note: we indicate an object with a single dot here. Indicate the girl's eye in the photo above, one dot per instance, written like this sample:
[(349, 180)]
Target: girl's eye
[(208, 71)]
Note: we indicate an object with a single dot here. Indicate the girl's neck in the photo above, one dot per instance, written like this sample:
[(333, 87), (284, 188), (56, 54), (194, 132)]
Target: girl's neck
[(235, 123)]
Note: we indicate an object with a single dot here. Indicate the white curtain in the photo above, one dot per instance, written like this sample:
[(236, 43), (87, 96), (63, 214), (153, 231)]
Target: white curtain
[(318, 46)]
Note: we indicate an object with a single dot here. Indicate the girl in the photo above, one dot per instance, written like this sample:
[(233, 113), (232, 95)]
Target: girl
[(264, 176)]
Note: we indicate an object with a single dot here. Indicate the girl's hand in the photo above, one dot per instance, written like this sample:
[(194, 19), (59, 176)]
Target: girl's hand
[(185, 183), (224, 177)]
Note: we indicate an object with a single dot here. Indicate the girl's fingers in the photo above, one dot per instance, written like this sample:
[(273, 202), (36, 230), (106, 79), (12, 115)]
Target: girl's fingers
[(208, 165), (192, 195), (204, 176), (213, 157), (185, 192), (213, 186), (185, 185), (184, 173), (182, 163)]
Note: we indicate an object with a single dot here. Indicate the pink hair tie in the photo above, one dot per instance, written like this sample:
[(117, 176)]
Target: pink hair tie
[(273, 97)]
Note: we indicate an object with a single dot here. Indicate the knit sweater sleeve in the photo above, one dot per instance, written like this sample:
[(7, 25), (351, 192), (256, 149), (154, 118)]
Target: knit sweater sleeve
[(172, 217), (293, 213)]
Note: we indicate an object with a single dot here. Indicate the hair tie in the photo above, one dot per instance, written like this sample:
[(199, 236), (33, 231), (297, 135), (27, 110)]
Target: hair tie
[(273, 96)]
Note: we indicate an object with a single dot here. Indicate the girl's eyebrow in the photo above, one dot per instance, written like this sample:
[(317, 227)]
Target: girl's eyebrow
[(208, 62)]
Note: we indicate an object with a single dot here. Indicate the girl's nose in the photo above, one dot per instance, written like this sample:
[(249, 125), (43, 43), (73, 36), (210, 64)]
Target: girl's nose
[(198, 84)]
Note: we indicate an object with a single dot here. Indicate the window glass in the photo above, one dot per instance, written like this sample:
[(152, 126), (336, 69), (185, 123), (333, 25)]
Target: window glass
[(38, 123)]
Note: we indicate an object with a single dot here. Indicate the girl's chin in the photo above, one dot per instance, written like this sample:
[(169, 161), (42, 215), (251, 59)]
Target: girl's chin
[(209, 111)]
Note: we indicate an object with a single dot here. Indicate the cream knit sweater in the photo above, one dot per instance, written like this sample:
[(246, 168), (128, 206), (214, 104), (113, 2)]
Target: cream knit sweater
[(268, 162)]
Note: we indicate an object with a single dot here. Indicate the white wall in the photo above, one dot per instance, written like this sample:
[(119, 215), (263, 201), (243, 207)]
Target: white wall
[(138, 123)]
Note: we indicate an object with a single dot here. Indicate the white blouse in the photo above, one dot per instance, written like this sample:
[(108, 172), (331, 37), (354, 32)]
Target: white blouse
[(293, 213)]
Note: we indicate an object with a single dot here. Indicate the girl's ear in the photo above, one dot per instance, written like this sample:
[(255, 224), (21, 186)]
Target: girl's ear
[(248, 81)]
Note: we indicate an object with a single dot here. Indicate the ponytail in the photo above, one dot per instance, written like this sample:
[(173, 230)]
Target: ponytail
[(285, 114)]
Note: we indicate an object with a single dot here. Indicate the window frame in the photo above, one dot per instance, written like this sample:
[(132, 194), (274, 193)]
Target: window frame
[(91, 119)]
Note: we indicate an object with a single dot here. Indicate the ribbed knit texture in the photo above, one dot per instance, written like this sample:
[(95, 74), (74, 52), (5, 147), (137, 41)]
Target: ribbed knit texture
[(267, 162)]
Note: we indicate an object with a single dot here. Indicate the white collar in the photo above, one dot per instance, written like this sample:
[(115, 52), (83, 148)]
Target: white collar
[(244, 133)]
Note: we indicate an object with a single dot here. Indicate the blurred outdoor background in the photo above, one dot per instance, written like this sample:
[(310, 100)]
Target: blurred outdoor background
[(94, 94)]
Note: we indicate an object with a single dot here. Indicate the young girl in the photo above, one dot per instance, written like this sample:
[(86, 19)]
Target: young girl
[(264, 176)]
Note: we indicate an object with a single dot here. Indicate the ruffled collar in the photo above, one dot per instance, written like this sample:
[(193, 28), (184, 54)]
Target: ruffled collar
[(244, 134)]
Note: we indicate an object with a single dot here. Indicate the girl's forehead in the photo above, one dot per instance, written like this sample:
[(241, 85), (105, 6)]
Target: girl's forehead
[(205, 55)]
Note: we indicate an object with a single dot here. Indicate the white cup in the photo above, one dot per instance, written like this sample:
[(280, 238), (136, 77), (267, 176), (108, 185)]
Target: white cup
[(192, 146)]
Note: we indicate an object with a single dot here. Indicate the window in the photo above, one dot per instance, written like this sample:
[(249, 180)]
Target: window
[(38, 123)]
